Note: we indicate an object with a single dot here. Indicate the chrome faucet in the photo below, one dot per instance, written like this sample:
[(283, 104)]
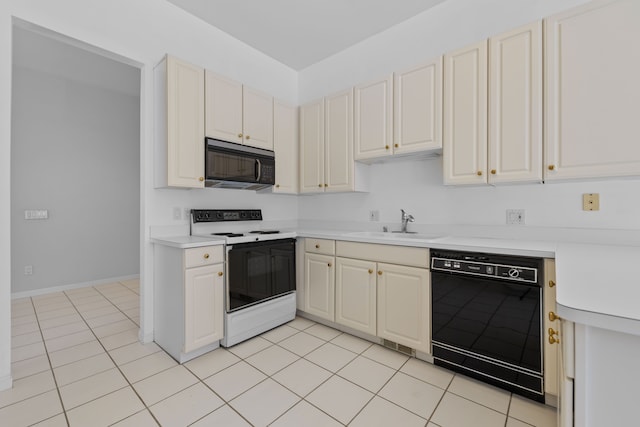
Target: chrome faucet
[(406, 218)]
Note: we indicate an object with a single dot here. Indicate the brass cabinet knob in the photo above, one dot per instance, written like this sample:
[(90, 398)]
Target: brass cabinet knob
[(277, 185), (386, 147), (553, 317), (551, 283), (553, 340), (493, 171), (201, 179), (380, 273), (248, 137), (479, 173), (329, 264), (219, 273), (239, 135), (320, 185), (552, 331), (395, 145), (551, 167), (370, 271), (206, 256), (317, 246), (326, 185)]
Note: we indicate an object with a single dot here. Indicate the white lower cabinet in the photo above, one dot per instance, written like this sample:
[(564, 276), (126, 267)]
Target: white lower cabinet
[(188, 300), (319, 273), (356, 294), (404, 306)]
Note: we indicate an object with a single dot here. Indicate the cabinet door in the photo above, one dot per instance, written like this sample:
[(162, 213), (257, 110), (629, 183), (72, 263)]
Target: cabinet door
[(203, 306), (404, 313), (257, 118), (515, 105), (285, 145), (356, 294), (550, 321), (319, 283), (592, 91), (223, 108), (312, 147), (417, 108), (185, 124), (373, 119), (339, 142), (464, 147)]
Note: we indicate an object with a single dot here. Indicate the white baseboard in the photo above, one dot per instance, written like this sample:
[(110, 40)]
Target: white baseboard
[(43, 291), (6, 382), (145, 338)]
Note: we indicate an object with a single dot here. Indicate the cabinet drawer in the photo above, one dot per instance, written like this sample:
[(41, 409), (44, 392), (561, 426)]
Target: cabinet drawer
[(401, 255), (204, 255), (320, 246)]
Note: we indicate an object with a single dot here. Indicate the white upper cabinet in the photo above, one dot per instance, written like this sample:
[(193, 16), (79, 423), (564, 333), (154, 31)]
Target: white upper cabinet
[(312, 147), (417, 108), (515, 105), (237, 113), (373, 119), (223, 108), (257, 118), (179, 124), (464, 147), (285, 145), (338, 136), (593, 91)]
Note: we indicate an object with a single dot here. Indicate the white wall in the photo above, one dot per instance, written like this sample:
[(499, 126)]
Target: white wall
[(417, 185), (76, 153), (139, 33)]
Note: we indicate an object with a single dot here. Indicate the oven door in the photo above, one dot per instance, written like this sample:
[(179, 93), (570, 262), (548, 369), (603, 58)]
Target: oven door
[(488, 328), (259, 271)]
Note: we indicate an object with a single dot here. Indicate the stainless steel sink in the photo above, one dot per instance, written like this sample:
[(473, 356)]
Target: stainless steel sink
[(396, 235)]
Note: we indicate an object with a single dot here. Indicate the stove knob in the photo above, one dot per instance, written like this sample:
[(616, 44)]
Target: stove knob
[(219, 215), (514, 272), (243, 214)]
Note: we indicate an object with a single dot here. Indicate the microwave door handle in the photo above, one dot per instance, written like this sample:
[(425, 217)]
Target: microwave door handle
[(258, 170)]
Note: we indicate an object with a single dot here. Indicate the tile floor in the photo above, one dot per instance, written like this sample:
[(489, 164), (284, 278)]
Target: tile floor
[(77, 362)]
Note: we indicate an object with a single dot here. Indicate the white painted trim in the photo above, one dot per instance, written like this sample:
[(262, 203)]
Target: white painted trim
[(6, 382), (61, 288), (145, 338)]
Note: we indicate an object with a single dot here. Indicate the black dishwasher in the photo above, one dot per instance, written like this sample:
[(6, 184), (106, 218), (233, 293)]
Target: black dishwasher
[(487, 318)]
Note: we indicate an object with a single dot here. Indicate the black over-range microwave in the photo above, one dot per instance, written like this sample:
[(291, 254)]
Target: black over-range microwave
[(230, 165)]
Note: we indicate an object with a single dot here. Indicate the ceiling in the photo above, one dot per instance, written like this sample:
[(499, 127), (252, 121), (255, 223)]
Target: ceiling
[(299, 33)]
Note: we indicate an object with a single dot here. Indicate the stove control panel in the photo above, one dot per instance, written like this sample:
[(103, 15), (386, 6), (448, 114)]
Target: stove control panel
[(220, 215)]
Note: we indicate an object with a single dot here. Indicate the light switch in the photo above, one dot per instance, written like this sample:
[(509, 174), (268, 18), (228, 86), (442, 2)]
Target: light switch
[(591, 202)]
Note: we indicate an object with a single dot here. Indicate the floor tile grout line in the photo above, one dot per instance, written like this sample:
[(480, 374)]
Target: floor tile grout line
[(55, 380)]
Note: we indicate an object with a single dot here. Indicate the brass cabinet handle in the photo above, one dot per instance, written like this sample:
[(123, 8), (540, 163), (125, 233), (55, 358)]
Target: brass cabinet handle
[(206, 256), (277, 185), (370, 271), (326, 185), (329, 264), (386, 147), (219, 273), (395, 145), (553, 317), (320, 185), (239, 135), (379, 272), (553, 340), (493, 171), (317, 246), (551, 283), (551, 167), (201, 179), (248, 137), (479, 173)]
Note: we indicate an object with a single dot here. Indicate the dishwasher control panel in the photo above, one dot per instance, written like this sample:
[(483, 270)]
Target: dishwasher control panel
[(506, 267)]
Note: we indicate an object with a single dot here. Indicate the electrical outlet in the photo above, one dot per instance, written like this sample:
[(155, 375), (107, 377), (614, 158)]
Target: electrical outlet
[(515, 216), (36, 214), (591, 202), (374, 215), (186, 214), (177, 213), (28, 270)]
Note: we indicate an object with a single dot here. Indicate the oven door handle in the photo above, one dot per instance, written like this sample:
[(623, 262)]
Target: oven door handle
[(258, 170)]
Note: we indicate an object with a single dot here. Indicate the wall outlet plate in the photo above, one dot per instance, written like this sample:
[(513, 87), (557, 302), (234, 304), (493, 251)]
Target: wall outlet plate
[(515, 216), (591, 202)]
